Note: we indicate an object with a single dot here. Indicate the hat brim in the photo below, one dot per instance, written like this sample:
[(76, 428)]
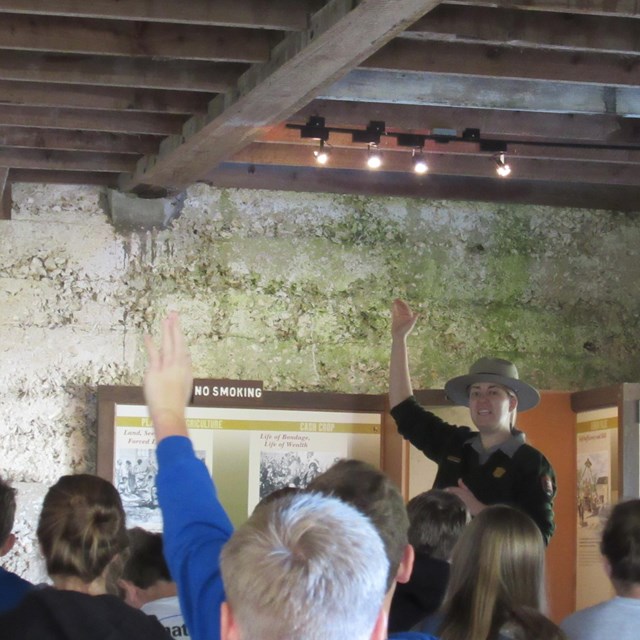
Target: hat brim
[(457, 389)]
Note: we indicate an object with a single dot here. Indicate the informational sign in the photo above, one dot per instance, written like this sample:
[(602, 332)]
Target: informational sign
[(597, 490), (250, 452)]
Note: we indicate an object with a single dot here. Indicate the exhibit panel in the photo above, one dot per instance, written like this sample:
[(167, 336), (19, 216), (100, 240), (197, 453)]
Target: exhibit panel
[(284, 440)]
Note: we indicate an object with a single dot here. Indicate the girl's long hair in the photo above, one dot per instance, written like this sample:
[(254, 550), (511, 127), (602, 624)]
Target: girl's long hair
[(497, 568)]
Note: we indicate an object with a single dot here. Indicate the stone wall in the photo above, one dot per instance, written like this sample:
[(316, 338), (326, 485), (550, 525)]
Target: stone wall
[(293, 289)]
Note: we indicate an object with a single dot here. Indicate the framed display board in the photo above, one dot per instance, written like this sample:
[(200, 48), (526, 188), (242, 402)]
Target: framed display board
[(252, 441)]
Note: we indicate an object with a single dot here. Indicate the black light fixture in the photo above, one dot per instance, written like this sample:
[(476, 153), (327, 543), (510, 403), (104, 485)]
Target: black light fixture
[(315, 128)]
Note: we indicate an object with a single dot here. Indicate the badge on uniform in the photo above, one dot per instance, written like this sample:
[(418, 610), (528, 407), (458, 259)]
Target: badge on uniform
[(547, 485), (498, 472), (454, 459)]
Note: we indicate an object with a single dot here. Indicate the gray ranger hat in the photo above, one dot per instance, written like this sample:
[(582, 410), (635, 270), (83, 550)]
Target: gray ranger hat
[(494, 370)]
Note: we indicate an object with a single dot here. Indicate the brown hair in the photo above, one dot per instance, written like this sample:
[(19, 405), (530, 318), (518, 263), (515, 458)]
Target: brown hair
[(81, 527), (620, 545), (373, 493), (437, 519), (7, 510), (145, 565), (497, 567)]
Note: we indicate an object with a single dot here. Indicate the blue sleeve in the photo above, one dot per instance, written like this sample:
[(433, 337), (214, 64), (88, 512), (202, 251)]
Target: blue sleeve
[(196, 527)]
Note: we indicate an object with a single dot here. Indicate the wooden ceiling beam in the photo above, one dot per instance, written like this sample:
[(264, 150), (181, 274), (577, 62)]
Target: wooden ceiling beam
[(90, 120), (6, 200), (485, 93), (527, 29), (44, 176), (111, 38), (340, 36), (467, 59), (438, 187), (409, 117), (104, 142), (288, 15), (623, 8), (472, 164), (65, 160), (105, 98), (209, 77)]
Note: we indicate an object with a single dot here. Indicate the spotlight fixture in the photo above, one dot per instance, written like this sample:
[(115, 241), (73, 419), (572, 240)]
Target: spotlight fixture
[(322, 153), (419, 163), (503, 169), (374, 159)]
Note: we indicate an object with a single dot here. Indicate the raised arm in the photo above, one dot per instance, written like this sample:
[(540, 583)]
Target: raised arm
[(402, 322), (168, 380), (195, 524)]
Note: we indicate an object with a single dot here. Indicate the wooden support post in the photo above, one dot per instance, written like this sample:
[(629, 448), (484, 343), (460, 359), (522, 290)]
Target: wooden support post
[(5, 194)]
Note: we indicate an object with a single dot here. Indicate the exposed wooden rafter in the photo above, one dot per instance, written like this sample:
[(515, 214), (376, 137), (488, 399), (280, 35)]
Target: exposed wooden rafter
[(339, 38), (153, 95)]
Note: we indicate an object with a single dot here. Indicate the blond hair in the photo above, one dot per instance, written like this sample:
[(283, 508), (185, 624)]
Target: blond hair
[(81, 527), (305, 566), (497, 568)]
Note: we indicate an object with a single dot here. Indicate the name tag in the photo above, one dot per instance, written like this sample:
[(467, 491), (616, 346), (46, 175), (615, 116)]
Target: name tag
[(454, 459)]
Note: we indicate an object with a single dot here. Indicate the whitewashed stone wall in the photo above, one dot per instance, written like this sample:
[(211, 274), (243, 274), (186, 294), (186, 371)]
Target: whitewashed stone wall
[(293, 289)]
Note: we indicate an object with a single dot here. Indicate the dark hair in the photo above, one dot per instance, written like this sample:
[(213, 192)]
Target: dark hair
[(146, 564), (373, 493), (81, 527), (526, 623), (620, 544), (436, 520), (7, 510)]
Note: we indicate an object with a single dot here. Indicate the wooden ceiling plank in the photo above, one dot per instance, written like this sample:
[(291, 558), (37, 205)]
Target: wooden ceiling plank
[(6, 200), (524, 124), (211, 77), (65, 160), (288, 15), (506, 62), (475, 164), (26, 137), (528, 29), (339, 38), (91, 120), (44, 176), (438, 187), (105, 98), (485, 93), (623, 8), (111, 38)]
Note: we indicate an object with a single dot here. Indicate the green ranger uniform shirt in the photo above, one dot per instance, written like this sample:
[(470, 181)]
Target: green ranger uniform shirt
[(513, 473)]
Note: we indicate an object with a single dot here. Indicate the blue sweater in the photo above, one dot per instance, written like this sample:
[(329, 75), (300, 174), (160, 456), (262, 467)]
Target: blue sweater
[(12, 589), (196, 527)]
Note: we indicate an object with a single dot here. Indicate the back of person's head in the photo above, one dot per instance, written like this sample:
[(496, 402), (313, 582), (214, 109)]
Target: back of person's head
[(145, 564), (373, 493), (7, 510), (497, 566), (81, 527), (620, 545), (305, 566), (436, 520)]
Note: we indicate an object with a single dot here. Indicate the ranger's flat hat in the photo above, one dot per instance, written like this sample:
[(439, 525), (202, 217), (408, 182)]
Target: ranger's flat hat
[(497, 371)]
